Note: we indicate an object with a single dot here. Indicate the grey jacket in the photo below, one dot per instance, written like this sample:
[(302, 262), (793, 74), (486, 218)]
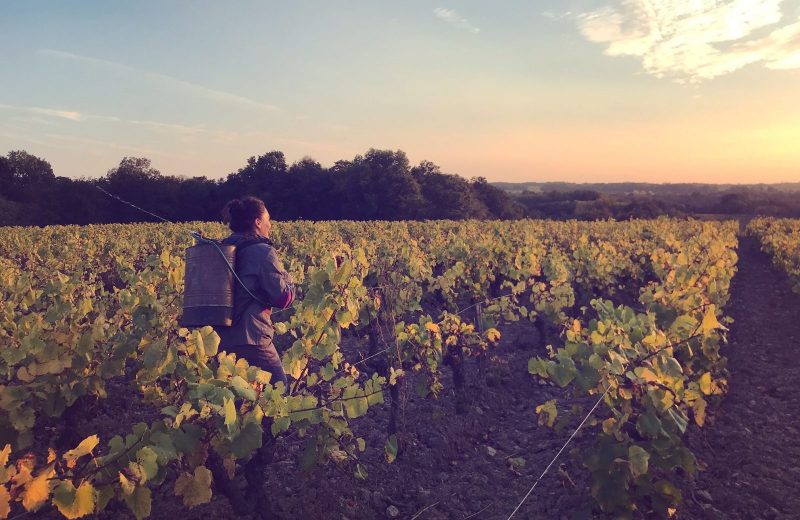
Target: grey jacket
[(262, 273)]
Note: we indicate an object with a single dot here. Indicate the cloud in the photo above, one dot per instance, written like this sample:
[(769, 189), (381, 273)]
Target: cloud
[(696, 40), (18, 138), (207, 92), (451, 17), (187, 132), (125, 148), (79, 116), (65, 114), (156, 125), (91, 147), (557, 16)]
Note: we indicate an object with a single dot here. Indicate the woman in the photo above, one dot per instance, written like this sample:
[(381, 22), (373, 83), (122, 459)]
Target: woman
[(258, 267)]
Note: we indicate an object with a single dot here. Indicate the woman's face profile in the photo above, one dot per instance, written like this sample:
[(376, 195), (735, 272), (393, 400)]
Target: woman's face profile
[(263, 225)]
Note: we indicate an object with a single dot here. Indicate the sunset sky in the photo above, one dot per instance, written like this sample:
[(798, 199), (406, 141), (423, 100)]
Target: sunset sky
[(583, 91)]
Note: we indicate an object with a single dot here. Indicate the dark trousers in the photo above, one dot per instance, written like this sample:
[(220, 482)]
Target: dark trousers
[(265, 357)]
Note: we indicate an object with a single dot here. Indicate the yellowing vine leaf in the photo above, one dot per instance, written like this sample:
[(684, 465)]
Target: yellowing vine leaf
[(710, 322), (547, 413), (705, 383), (36, 491), (5, 502), (126, 485), (4, 454), (195, 489), (84, 448), (75, 503)]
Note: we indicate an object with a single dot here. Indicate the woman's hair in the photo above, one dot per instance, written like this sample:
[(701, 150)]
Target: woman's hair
[(240, 213)]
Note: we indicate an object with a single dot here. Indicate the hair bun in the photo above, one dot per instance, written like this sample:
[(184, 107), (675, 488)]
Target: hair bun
[(235, 206), (240, 213)]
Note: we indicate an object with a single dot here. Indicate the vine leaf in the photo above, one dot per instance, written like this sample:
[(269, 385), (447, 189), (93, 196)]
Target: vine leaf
[(242, 388), (230, 413), (195, 489), (4, 454), (84, 448), (248, 440), (705, 383), (710, 321), (127, 486), (36, 491), (547, 413), (5, 502), (354, 401), (75, 503), (639, 459), (140, 502)]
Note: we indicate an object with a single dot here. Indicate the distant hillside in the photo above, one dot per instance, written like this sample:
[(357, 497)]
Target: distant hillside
[(636, 188), (623, 200)]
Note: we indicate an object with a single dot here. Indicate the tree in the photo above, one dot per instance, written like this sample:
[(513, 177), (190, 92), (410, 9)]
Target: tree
[(260, 169), (136, 181), (9, 213), (138, 168), (451, 197), (24, 177), (264, 176), (27, 184), (735, 203), (306, 166), (424, 168), (593, 210), (377, 185), (394, 190), (498, 202), (311, 187)]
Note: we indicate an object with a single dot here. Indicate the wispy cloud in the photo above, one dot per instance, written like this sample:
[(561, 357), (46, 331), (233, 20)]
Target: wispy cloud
[(187, 133), (202, 90), (125, 148), (64, 114), (696, 40), (73, 115), (18, 139), (156, 125), (557, 16), (91, 147), (452, 17)]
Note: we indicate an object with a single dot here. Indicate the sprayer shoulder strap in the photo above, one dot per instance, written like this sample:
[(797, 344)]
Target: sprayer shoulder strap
[(243, 245), (251, 242)]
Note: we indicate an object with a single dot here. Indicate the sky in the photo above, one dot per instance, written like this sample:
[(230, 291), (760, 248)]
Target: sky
[(555, 90)]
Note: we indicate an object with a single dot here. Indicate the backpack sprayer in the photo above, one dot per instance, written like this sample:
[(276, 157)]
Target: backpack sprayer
[(209, 280), (209, 283), (208, 295)]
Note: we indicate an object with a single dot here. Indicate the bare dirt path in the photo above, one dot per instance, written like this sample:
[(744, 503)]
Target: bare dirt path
[(752, 449)]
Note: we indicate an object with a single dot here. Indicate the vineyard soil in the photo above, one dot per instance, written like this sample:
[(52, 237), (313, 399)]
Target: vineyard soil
[(752, 449)]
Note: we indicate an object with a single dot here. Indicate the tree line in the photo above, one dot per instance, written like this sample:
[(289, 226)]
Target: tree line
[(379, 185)]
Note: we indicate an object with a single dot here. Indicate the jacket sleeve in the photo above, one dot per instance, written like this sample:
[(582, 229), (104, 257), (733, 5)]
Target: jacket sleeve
[(276, 282)]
